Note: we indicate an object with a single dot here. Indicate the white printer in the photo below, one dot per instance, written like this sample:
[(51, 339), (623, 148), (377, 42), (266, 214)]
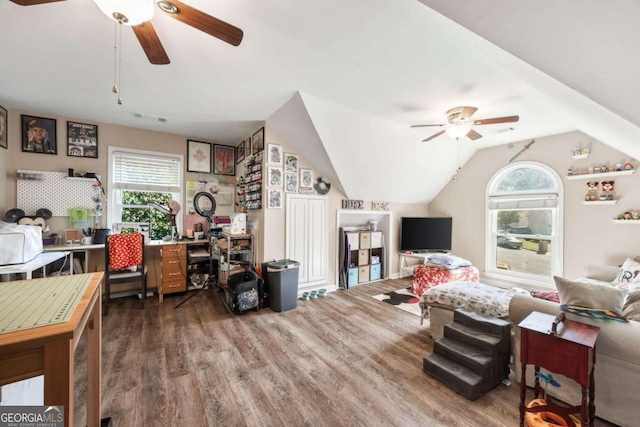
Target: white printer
[(238, 223), (19, 243)]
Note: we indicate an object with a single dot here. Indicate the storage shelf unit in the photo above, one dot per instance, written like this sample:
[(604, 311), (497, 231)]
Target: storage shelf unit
[(228, 248), (600, 202), (250, 184), (364, 254), (627, 221)]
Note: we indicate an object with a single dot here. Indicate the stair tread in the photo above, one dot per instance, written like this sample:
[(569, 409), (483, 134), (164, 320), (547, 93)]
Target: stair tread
[(494, 323), (453, 368), (479, 337), (472, 354)]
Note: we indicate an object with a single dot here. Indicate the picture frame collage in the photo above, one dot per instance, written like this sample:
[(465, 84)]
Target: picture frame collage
[(285, 176), (205, 157), (39, 135)]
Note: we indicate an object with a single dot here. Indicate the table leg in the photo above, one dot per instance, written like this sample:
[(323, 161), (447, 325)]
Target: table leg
[(58, 377), (70, 263), (523, 393), (536, 384), (94, 364), (592, 398), (583, 408)]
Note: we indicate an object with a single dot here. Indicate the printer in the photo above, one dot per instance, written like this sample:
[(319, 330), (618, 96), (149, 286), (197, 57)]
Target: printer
[(19, 243)]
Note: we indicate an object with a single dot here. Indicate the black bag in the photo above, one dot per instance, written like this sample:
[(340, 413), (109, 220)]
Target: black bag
[(242, 291)]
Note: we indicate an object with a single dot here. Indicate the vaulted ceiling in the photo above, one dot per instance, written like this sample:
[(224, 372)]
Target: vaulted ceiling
[(343, 81)]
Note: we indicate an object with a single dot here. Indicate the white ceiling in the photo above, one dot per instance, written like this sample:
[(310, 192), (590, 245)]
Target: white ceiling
[(363, 71)]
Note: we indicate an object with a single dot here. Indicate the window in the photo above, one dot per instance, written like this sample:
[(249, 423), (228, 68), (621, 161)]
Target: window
[(137, 178), (524, 224)]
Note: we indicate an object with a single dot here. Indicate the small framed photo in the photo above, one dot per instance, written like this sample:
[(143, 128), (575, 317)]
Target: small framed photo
[(290, 162), (275, 198), (4, 140), (274, 155), (247, 148), (306, 178), (257, 141), (240, 152), (274, 177), (291, 182), (198, 156), (82, 140), (39, 135), (224, 160)]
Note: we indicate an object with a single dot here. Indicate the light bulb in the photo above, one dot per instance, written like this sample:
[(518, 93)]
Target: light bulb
[(128, 12)]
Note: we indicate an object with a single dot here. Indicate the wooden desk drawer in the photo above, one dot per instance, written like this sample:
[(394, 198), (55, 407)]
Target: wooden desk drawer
[(173, 251), (174, 285)]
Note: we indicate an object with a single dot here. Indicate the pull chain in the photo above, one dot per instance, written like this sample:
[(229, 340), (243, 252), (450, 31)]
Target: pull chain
[(120, 65), (114, 89)]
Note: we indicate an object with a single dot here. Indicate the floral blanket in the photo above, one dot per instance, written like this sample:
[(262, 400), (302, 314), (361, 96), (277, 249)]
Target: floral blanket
[(483, 299)]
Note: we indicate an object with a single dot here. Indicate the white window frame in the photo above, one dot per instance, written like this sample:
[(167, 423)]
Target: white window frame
[(556, 238), (114, 211)]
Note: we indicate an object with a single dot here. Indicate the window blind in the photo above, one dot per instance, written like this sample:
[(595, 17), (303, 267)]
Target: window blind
[(524, 202), (132, 171)]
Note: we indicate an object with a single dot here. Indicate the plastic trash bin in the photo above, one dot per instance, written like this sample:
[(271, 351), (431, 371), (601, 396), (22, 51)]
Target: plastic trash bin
[(282, 277)]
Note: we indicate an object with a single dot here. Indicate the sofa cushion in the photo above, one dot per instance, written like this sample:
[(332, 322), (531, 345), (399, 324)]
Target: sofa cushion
[(629, 271), (590, 295), (631, 309)]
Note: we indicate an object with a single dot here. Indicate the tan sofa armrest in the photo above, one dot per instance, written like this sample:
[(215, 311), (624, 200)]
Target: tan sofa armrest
[(606, 273)]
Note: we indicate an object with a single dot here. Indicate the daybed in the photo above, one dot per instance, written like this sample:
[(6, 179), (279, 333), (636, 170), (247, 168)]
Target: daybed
[(617, 368)]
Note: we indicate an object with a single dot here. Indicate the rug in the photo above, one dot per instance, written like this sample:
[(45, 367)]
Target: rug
[(403, 299)]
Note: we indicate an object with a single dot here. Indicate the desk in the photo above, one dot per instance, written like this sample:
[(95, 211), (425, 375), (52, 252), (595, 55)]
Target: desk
[(572, 353), (71, 249), (48, 351), (41, 261)]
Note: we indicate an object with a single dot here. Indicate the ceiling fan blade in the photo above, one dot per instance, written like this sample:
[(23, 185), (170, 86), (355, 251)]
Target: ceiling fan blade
[(33, 2), (495, 120), (150, 43), (473, 135), (424, 126), (203, 22), (435, 135)]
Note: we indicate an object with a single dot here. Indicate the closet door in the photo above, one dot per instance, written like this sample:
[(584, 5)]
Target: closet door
[(307, 236)]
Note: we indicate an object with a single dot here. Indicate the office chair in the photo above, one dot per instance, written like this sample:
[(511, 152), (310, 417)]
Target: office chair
[(124, 263)]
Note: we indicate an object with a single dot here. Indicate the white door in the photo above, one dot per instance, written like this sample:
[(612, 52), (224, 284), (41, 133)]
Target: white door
[(306, 219)]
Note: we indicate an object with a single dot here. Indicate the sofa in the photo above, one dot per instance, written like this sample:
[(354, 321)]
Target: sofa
[(617, 368)]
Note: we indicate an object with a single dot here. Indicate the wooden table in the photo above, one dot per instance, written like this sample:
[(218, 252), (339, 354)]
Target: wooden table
[(570, 352), (49, 351)]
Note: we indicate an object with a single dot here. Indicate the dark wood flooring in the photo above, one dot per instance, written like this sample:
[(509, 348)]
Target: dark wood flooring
[(344, 360)]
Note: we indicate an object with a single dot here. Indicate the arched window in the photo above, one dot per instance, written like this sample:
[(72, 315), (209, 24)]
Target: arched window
[(524, 224)]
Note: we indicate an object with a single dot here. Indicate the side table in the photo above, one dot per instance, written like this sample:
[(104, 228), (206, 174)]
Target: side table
[(567, 348)]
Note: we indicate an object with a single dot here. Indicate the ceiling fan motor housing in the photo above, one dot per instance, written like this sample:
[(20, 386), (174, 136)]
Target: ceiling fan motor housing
[(460, 114)]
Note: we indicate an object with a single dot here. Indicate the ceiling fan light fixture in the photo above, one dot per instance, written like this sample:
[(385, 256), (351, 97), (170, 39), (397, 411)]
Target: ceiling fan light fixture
[(458, 131), (128, 12)]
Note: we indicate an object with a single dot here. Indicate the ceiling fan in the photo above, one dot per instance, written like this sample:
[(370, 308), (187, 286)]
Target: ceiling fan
[(460, 125), (138, 13)]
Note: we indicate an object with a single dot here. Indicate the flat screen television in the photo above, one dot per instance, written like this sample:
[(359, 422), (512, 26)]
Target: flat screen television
[(426, 234)]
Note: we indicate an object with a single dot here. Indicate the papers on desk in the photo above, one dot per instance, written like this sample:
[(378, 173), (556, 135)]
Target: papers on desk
[(199, 253)]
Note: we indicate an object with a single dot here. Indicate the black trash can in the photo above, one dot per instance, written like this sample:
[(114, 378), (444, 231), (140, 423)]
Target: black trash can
[(283, 284)]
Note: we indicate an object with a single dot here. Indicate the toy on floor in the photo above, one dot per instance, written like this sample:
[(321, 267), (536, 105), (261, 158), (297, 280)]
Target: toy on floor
[(544, 418)]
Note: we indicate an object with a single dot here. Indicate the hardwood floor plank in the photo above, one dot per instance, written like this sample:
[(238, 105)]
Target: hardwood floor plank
[(343, 360)]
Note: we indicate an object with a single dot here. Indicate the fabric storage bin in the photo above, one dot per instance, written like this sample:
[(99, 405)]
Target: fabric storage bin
[(374, 271)]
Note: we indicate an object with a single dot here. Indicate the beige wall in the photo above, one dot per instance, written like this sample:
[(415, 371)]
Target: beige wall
[(590, 235)]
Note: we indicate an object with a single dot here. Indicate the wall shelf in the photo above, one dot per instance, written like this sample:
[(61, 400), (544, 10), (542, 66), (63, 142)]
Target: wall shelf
[(600, 202), (600, 175), (627, 221), (580, 156)]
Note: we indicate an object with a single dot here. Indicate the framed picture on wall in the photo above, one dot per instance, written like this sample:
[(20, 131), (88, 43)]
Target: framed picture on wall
[(39, 135), (247, 148), (306, 178), (257, 141), (4, 140), (290, 162), (274, 177), (224, 160), (82, 140), (274, 198), (198, 156), (240, 152), (274, 154), (291, 182)]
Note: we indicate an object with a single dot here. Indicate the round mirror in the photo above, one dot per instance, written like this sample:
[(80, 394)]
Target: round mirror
[(204, 204)]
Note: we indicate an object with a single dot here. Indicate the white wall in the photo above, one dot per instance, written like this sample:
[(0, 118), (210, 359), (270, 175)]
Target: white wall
[(590, 235)]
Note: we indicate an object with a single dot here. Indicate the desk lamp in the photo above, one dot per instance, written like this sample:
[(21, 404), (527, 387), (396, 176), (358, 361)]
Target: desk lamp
[(171, 210)]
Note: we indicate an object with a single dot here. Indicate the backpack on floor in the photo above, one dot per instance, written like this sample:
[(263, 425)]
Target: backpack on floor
[(242, 291)]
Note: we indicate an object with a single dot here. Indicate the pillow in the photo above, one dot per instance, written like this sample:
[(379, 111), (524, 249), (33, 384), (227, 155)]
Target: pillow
[(628, 272), (546, 295), (601, 297), (631, 309)]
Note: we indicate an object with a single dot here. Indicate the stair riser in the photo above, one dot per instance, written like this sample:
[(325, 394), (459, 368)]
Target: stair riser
[(464, 359), (502, 328), (470, 391), (476, 341)]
